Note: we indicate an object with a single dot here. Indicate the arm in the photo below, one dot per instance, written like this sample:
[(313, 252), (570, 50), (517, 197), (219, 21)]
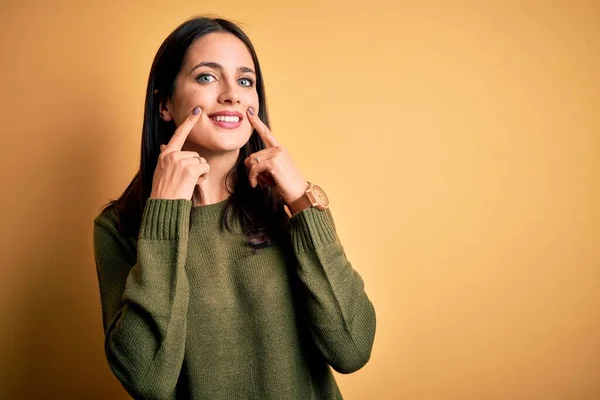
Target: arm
[(342, 318), (145, 298)]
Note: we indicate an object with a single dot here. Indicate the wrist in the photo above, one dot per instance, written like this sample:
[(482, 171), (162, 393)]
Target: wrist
[(299, 202), (313, 196), (294, 201), (302, 203)]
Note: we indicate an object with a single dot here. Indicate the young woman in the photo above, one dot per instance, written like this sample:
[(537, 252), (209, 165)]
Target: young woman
[(221, 275)]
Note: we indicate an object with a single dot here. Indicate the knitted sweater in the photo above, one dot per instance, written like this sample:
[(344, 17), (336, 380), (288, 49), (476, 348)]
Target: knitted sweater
[(189, 312)]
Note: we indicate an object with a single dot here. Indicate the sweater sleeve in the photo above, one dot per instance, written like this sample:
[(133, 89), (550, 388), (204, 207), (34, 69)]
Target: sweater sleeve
[(144, 295), (342, 318)]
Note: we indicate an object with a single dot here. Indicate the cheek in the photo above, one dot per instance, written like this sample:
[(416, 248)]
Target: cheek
[(253, 101), (249, 98), (250, 101), (188, 100)]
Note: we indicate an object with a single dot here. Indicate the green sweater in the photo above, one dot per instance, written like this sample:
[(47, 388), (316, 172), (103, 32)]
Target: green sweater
[(189, 312)]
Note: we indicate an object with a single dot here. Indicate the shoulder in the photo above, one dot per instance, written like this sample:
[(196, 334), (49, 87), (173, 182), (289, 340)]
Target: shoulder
[(107, 228), (108, 217)]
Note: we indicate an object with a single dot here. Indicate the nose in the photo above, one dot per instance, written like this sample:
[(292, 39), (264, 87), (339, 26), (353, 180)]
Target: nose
[(230, 94)]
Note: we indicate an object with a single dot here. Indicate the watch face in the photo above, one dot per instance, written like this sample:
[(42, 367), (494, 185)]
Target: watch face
[(320, 195)]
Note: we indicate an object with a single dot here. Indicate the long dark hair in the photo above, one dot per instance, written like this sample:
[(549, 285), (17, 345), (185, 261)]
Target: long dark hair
[(260, 212)]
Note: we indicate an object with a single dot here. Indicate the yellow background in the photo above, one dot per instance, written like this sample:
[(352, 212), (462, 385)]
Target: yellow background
[(458, 141)]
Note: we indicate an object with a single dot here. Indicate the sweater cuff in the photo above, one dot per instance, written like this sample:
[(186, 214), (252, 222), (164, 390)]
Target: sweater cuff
[(166, 219), (312, 228)]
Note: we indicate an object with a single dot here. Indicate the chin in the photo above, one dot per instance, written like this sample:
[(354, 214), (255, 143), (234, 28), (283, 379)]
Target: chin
[(217, 142), (219, 146)]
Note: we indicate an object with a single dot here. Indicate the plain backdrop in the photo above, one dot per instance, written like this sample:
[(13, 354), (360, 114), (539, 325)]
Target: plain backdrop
[(458, 142)]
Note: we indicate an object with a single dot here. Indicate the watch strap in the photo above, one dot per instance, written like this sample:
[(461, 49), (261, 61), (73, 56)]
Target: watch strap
[(300, 204)]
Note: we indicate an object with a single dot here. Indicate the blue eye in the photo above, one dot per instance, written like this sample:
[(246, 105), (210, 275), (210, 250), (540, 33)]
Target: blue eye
[(205, 78), (247, 82)]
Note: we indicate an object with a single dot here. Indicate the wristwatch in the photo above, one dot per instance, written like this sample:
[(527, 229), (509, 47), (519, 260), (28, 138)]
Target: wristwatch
[(313, 196)]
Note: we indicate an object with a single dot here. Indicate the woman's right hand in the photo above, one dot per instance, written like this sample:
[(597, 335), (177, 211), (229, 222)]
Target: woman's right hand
[(178, 172)]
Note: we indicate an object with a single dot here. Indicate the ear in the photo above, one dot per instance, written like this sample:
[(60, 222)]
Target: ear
[(164, 110)]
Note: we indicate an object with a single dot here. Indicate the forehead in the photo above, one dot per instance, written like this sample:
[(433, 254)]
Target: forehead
[(220, 47)]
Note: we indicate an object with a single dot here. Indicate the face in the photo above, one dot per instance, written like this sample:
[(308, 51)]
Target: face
[(217, 75)]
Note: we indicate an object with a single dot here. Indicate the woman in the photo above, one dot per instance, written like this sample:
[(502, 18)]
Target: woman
[(220, 272)]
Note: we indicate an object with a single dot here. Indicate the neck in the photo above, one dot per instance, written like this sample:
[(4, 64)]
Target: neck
[(214, 188)]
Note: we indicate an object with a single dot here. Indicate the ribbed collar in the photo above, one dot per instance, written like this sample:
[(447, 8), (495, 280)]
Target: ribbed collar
[(207, 216)]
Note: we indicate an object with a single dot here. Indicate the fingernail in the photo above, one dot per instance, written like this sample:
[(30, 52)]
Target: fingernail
[(196, 111), (251, 110)]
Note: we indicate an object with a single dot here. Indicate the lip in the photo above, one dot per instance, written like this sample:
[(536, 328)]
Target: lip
[(227, 125), (227, 114)]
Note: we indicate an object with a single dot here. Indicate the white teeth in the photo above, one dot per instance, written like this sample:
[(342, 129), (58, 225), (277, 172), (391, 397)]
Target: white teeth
[(226, 118)]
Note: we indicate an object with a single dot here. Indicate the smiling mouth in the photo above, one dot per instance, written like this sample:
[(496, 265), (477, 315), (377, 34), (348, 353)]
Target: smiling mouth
[(226, 118)]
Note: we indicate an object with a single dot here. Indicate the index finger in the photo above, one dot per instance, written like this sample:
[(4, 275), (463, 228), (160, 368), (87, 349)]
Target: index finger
[(263, 130), (183, 130)]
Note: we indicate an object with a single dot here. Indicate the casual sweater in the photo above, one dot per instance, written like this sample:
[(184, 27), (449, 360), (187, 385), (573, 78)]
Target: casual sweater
[(190, 312)]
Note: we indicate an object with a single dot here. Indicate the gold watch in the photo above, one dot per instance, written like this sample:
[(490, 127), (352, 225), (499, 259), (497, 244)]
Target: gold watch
[(313, 196)]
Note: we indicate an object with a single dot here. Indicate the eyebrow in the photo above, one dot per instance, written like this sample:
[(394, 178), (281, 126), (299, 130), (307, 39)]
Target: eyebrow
[(215, 65)]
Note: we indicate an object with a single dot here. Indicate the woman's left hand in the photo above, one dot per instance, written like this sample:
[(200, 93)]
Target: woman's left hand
[(273, 165)]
